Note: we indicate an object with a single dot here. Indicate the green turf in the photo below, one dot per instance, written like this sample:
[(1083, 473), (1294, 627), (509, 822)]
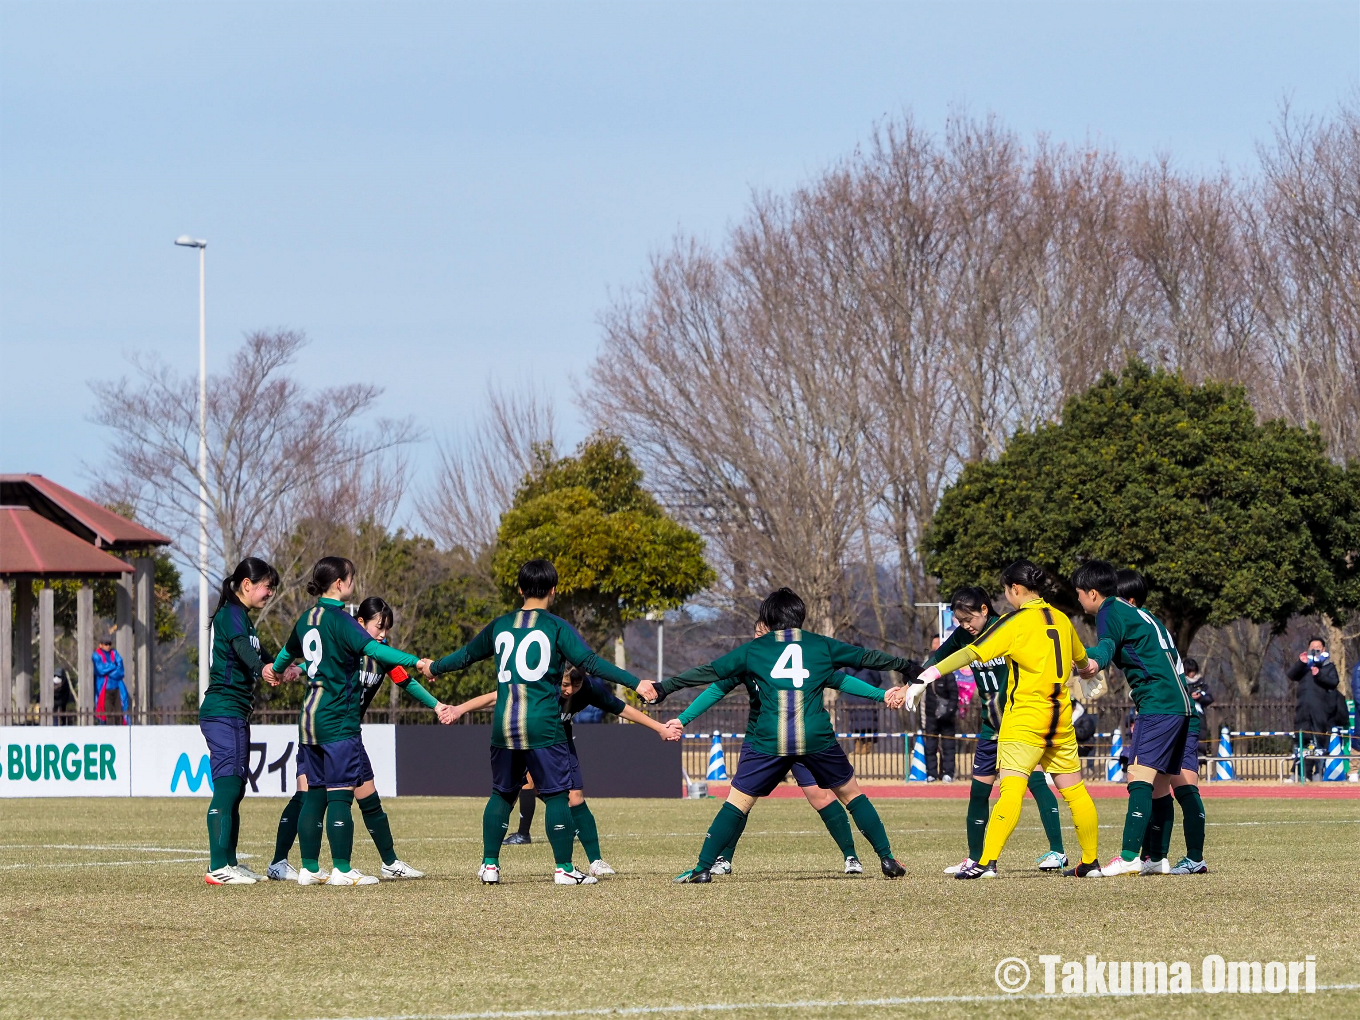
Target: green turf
[(149, 939)]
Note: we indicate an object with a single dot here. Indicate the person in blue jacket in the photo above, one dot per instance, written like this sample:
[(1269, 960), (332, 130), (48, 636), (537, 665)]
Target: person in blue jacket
[(108, 678)]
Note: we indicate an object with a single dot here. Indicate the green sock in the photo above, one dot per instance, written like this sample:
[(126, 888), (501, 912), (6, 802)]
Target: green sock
[(375, 821), (979, 795), (1192, 818), (311, 827), (236, 822), (495, 820), (864, 813), (726, 827), (561, 830), (730, 851), (226, 791), (1163, 815), (340, 827), (1048, 810), (586, 831), (1136, 819), (1168, 828), (837, 823), (288, 827)]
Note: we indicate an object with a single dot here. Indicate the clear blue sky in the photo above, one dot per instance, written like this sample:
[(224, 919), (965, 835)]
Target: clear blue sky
[(442, 194)]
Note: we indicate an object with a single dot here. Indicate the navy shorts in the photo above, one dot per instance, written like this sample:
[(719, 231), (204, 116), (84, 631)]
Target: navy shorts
[(335, 765), (1190, 759), (984, 757), (1159, 742), (576, 781), (759, 773), (550, 766), (228, 745), (801, 775)]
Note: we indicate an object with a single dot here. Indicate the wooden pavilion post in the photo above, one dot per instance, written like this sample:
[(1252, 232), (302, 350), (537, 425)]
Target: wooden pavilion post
[(85, 655), (144, 634), (125, 601), (6, 651), (23, 634), (47, 649)]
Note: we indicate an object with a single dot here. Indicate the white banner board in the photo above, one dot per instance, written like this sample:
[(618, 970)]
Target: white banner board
[(159, 761)]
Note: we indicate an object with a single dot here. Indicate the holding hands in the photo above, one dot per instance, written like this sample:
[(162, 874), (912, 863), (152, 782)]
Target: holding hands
[(424, 666), (674, 730), (647, 691)]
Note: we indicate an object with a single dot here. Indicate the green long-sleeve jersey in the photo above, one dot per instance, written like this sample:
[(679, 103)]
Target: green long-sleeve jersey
[(719, 689), (333, 644), (790, 669), (991, 676), (532, 647), (235, 664), (1132, 640)]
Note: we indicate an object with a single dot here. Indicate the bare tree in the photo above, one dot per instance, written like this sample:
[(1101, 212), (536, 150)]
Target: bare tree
[(278, 454), (479, 472)]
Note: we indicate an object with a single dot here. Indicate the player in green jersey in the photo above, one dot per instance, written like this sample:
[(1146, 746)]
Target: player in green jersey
[(1166, 790), (333, 644), (823, 801), (972, 609), (1129, 638), (376, 617), (532, 648), (791, 667), (579, 692), (224, 715)]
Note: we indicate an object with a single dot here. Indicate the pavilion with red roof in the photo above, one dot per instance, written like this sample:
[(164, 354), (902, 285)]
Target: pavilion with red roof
[(48, 532)]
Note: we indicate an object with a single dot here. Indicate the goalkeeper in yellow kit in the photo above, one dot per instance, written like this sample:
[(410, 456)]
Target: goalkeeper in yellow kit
[(1036, 728)]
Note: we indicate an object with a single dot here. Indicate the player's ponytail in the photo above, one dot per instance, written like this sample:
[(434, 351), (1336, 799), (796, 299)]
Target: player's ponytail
[(252, 569), (327, 571), (1034, 577)]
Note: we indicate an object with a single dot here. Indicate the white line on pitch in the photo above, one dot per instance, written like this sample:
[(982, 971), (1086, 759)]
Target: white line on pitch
[(733, 1007), (106, 864), (105, 846)]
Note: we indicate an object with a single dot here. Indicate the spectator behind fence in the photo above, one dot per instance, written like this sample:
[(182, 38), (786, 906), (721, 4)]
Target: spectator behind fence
[(108, 678), (62, 696), (1314, 699), (942, 712), (1084, 724), (1199, 693)]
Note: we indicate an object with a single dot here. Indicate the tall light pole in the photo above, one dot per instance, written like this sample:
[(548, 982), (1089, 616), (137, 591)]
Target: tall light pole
[(185, 241)]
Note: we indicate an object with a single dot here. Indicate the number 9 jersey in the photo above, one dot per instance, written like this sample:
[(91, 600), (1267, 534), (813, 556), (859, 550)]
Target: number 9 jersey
[(531, 648)]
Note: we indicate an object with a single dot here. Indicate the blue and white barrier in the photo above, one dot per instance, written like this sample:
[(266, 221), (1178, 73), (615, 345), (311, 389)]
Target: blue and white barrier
[(1114, 769), (717, 763), (1223, 768), (917, 770), (1334, 770)]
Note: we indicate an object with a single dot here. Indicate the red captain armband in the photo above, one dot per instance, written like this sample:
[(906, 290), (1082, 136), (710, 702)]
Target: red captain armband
[(399, 675)]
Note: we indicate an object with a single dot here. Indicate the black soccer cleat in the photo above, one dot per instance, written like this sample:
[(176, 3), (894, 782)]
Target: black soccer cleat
[(1091, 870), (892, 867), (975, 870), (516, 839), (695, 876)]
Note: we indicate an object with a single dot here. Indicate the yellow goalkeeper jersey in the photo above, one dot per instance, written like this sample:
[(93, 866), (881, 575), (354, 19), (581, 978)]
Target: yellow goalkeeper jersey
[(1041, 646)]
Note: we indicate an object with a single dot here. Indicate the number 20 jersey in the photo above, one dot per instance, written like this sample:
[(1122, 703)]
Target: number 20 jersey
[(531, 648)]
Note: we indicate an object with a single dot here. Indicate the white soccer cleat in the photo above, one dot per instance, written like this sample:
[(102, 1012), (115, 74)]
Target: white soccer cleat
[(853, 866), (1052, 861), (400, 869), (282, 871), (1162, 867), (241, 869), (721, 866), (963, 865), (227, 876), (600, 868), (305, 877), (490, 874), (573, 877), (1119, 866), (352, 877)]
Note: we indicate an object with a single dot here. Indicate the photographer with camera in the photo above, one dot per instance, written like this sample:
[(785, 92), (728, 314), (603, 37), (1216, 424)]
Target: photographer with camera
[(1199, 694), (1314, 702)]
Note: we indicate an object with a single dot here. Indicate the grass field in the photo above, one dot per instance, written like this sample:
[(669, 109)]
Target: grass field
[(787, 935)]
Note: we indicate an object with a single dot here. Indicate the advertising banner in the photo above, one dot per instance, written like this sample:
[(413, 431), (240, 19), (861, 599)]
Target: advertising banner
[(159, 761), (65, 761)]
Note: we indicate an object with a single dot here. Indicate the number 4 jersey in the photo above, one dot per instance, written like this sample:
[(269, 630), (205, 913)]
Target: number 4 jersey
[(531, 648), (790, 668), (333, 644)]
